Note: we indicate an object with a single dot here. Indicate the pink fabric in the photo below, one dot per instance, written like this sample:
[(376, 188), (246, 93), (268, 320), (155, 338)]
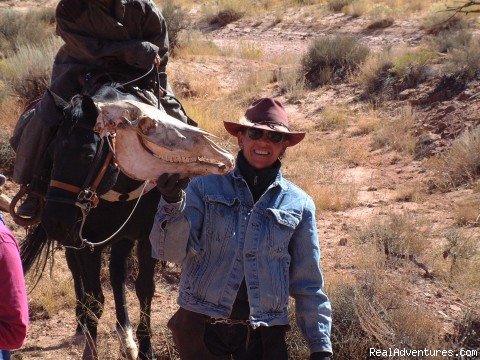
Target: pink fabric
[(13, 296)]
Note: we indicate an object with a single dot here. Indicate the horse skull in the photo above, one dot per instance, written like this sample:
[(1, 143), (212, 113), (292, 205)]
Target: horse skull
[(149, 142)]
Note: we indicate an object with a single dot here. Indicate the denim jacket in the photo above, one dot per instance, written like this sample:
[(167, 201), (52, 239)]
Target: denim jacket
[(219, 236)]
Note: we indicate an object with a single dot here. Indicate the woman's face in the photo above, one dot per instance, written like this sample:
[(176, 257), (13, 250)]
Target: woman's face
[(261, 153)]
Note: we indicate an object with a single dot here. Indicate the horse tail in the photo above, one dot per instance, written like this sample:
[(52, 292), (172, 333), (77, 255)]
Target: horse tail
[(35, 250)]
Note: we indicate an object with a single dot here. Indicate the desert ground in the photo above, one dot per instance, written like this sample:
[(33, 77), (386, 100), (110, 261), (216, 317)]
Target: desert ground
[(391, 158)]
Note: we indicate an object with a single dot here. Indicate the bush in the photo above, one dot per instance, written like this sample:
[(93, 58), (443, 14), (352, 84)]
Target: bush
[(465, 62), (7, 155), (176, 19), (458, 165), (449, 40), (17, 29), (370, 312), (338, 5), (225, 12), (399, 233), (331, 58), (439, 20), (386, 74), (27, 73)]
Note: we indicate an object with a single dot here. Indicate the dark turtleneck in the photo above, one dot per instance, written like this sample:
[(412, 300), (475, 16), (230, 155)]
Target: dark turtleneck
[(258, 181)]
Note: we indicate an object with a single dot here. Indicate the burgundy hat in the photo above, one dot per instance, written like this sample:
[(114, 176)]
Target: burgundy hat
[(267, 114)]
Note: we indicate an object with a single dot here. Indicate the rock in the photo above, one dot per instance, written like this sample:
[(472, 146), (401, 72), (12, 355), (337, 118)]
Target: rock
[(405, 94), (343, 242), (455, 308)]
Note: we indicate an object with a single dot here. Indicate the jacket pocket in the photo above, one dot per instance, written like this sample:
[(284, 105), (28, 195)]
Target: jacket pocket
[(282, 224), (221, 216)]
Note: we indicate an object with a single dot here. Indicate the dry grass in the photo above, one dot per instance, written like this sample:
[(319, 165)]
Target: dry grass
[(316, 166), (20, 29), (366, 123), (53, 293), (372, 311), (191, 43), (334, 117), (458, 165), (411, 192), (248, 50), (27, 73), (210, 114), (467, 213), (252, 86), (395, 133)]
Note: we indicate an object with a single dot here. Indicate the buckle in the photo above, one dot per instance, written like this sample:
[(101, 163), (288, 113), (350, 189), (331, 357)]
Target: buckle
[(86, 195)]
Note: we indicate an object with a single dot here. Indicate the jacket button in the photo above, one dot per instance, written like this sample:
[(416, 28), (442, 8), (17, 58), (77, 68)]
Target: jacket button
[(249, 255), (250, 204)]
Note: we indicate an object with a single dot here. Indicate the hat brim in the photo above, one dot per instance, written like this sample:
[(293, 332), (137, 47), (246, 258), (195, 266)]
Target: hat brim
[(293, 137)]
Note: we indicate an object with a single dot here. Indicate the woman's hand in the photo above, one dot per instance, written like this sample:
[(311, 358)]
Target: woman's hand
[(171, 186)]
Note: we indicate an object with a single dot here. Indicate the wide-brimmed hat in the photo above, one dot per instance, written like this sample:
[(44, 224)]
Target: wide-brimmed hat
[(267, 114)]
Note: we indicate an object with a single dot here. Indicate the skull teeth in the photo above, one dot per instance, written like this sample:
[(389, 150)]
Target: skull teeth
[(185, 159)]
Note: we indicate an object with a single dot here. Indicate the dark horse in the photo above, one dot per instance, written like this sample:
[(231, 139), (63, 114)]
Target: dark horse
[(78, 156)]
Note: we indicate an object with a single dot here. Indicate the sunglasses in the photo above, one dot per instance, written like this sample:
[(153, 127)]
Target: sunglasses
[(273, 136)]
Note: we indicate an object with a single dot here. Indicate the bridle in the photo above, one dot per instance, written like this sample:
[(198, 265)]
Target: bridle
[(87, 198)]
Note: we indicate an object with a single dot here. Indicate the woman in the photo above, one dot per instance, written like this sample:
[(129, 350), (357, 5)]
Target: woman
[(246, 240)]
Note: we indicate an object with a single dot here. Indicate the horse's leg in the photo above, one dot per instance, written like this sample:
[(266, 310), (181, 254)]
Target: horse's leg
[(145, 288), (79, 292), (118, 278), (89, 267)]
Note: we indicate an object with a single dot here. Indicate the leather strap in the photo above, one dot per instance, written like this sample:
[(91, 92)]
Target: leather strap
[(65, 186)]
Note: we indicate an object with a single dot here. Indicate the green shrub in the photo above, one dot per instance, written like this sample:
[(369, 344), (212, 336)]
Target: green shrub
[(331, 58), (27, 73), (18, 29), (177, 20)]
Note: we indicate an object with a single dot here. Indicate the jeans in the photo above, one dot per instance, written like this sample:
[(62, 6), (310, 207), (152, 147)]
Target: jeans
[(4, 355)]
